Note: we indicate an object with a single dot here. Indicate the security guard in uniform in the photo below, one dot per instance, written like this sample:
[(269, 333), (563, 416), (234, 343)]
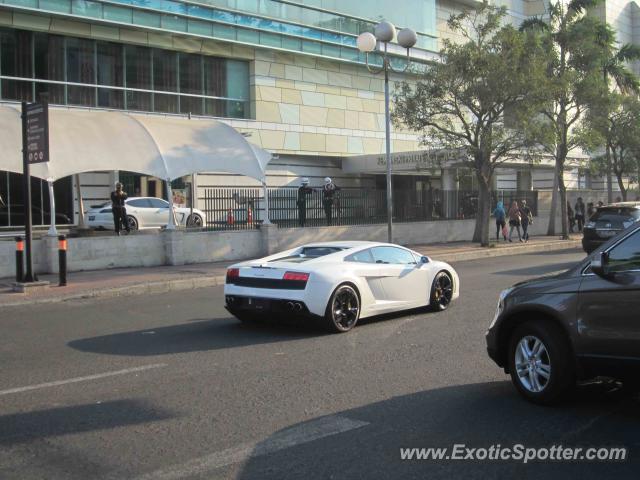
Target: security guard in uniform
[(328, 196), (303, 191)]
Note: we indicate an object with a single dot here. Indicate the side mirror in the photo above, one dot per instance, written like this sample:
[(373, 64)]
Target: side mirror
[(600, 264), (424, 259)]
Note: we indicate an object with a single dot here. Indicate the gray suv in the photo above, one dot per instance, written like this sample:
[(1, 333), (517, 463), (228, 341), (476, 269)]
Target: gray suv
[(551, 332)]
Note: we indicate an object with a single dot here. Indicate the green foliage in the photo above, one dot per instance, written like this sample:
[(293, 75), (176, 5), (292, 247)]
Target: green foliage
[(462, 101), (619, 130), (578, 47)]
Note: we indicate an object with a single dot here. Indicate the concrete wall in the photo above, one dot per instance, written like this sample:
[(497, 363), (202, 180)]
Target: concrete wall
[(8, 258), (95, 253), (404, 233), (180, 247), (218, 246)]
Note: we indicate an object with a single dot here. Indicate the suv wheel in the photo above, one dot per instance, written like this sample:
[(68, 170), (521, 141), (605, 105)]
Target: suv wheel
[(540, 362)]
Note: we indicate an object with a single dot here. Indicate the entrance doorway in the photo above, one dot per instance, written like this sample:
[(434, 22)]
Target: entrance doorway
[(415, 197)]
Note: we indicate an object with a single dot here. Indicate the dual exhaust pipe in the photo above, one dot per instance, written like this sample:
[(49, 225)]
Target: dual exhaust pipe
[(294, 306)]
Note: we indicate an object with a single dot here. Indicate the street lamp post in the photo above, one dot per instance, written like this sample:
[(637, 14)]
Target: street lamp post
[(367, 42)]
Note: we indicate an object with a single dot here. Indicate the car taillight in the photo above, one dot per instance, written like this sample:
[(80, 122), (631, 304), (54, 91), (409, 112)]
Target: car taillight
[(296, 276), (232, 274)]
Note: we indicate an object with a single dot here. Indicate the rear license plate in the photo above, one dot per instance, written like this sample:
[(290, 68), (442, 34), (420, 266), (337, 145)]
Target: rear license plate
[(607, 233), (258, 303)]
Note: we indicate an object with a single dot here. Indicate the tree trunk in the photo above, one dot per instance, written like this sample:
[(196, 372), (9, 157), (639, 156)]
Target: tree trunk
[(481, 232), (551, 230), (609, 175), (563, 204), (623, 190)]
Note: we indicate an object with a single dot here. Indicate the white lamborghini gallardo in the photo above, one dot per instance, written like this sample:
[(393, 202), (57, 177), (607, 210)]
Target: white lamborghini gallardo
[(338, 283)]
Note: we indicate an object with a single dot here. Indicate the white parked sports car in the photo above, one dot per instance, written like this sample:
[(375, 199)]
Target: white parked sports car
[(144, 212), (338, 283)]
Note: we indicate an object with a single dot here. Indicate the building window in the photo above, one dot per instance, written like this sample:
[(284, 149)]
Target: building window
[(165, 79), (16, 62), (191, 83), (110, 72), (74, 71), (49, 65), (81, 68)]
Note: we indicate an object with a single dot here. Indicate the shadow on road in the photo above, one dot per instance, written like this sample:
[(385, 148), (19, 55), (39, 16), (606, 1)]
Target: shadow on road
[(22, 427), (196, 336), (478, 415)]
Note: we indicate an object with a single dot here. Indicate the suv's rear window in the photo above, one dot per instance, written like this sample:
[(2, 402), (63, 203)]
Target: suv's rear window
[(308, 253), (615, 214)]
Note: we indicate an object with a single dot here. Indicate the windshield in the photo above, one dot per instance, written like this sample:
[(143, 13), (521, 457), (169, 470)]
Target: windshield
[(619, 214), (308, 253)]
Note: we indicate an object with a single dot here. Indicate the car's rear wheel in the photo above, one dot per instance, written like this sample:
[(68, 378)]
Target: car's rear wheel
[(194, 220), (343, 309), (441, 292), (540, 362), (132, 222)]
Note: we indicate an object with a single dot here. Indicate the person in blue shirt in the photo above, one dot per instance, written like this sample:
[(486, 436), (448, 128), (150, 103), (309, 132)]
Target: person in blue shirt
[(500, 215)]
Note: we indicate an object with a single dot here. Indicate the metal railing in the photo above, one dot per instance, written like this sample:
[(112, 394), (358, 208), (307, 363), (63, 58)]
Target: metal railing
[(244, 208)]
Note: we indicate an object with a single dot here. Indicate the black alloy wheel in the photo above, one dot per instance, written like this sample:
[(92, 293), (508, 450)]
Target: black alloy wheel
[(441, 292), (343, 309)]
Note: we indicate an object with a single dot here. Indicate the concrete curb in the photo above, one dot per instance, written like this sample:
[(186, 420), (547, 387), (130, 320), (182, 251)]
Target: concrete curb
[(512, 250), (205, 281)]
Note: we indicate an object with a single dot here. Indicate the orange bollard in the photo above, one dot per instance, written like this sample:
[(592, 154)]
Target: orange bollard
[(230, 219), (19, 259)]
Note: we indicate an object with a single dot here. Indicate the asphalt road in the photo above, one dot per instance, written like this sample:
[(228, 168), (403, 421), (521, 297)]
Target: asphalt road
[(170, 386)]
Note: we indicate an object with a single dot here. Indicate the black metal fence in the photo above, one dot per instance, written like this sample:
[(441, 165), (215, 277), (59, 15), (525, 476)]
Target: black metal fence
[(244, 208)]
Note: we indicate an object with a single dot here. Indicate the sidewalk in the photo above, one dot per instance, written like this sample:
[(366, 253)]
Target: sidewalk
[(124, 281)]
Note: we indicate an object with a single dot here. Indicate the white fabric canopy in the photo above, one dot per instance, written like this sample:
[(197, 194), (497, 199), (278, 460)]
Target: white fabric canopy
[(164, 147)]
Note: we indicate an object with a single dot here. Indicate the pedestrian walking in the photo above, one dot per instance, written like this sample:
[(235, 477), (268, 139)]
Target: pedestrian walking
[(304, 190), (328, 197), (579, 210), (570, 217), (501, 225), (118, 207), (527, 219), (590, 210), (515, 220)]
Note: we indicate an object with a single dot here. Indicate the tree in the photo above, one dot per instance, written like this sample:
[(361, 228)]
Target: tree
[(614, 67), (620, 131), (460, 103), (575, 84)]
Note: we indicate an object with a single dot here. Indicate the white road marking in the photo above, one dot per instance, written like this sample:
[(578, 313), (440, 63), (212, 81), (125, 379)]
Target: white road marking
[(81, 379), (308, 432)]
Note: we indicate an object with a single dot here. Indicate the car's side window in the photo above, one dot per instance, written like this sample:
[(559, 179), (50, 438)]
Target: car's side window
[(392, 255), (139, 203), (626, 255), (158, 203), (363, 256)]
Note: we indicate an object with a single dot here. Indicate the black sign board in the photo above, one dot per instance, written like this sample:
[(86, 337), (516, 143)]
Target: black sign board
[(35, 149), (37, 119)]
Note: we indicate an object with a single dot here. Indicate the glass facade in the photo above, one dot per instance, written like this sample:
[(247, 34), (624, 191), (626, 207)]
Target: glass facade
[(303, 26), (92, 73)]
